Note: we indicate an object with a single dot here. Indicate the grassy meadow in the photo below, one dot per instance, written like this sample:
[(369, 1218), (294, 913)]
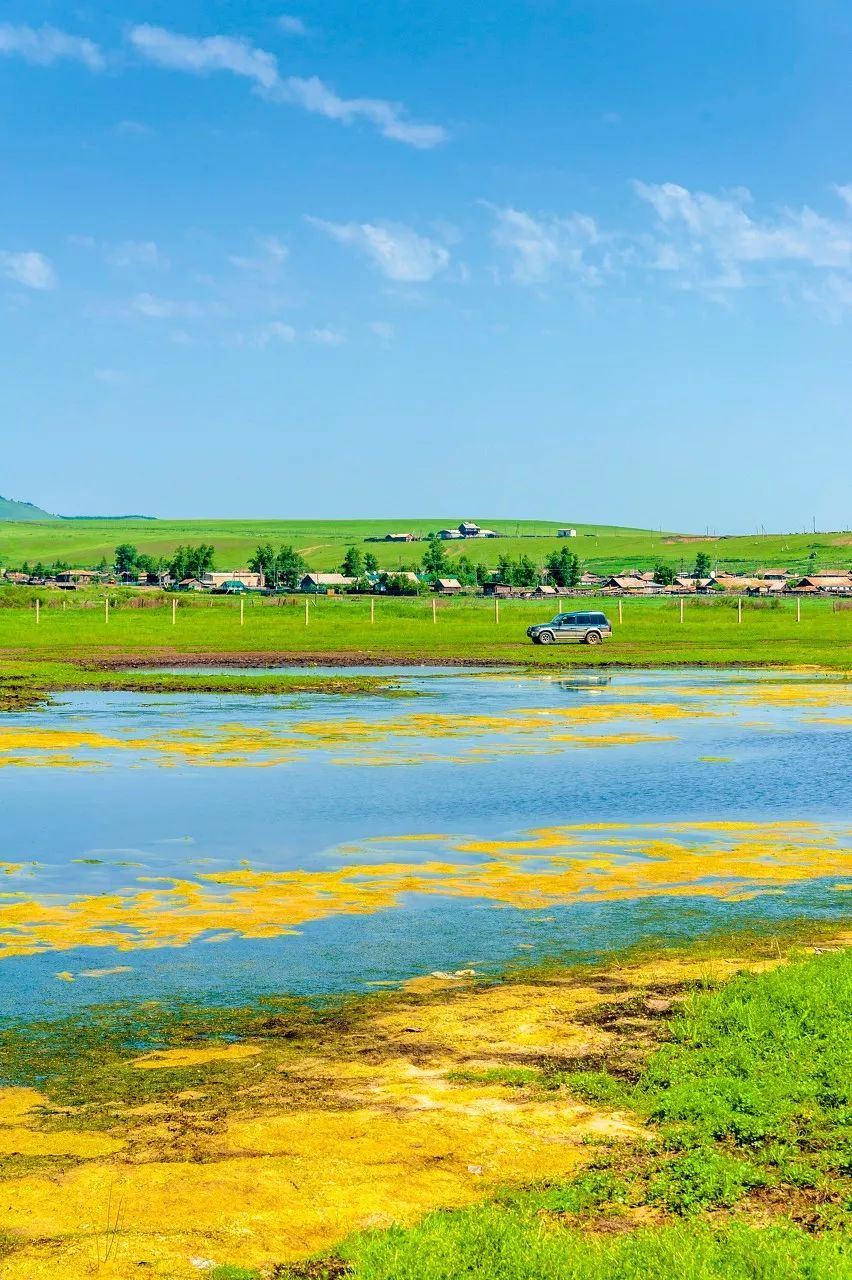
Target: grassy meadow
[(73, 628), (322, 543)]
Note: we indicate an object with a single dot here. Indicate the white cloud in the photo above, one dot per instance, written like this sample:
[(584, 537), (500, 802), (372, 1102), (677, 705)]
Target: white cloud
[(539, 247), (276, 331), (716, 238), (135, 253), (201, 55), (398, 251), (716, 244), (131, 129), (272, 255), (45, 45), (292, 26), (29, 268), (155, 308), (384, 331), (327, 337)]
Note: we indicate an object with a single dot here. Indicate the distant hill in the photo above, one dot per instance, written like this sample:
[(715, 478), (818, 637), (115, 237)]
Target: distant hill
[(12, 510)]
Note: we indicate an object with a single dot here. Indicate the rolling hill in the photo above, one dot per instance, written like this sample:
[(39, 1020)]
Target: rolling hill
[(322, 543), (11, 509)]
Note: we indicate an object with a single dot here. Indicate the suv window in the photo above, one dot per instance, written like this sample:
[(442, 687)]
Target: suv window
[(569, 620)]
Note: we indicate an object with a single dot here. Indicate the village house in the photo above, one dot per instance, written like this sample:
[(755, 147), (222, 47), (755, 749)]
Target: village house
[(449, 586), (70, 578), (399, 537), (631, 585), (467, 529), (246, 578), (836, 583), (566, 533), (325, 584)]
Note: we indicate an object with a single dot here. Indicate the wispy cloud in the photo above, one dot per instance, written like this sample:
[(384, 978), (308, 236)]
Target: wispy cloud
[(131, 129), (543, 245), (327, 337), (203, 55), (696, 240), (271, 256), (157, 308), (292, 26), (275, 331), (43, 46), (399, 252), (135, 253), (720, 242), (29, 268)]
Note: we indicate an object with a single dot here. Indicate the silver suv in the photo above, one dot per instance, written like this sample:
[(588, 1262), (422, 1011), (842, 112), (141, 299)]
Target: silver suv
[(572, 628)]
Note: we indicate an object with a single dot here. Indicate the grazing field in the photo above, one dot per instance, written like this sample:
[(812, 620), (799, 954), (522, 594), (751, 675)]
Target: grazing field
[(322, 543), (280, 630)]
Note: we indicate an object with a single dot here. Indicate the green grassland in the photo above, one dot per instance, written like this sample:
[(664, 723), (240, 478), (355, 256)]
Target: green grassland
[(322, 543), (465, 630)]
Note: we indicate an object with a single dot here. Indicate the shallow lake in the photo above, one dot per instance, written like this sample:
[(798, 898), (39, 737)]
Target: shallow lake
[(219, 848)]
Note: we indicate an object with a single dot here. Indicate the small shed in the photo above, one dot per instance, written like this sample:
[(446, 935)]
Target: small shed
[(449, 586)]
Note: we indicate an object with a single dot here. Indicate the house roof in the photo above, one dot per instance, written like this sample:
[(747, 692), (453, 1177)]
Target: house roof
[(329, 579), (449, 582)]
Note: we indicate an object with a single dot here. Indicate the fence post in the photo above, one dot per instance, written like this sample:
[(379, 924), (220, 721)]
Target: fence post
[(38, 606), (434, 611), (174, 611), (681, 609), (372, 609), (739, 608), (496, 607), (307, 603), (798, 608), (106, 609), (242, 611), (619, 609)]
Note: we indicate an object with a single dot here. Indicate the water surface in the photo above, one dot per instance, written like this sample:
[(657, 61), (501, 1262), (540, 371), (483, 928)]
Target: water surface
[(223, 847)]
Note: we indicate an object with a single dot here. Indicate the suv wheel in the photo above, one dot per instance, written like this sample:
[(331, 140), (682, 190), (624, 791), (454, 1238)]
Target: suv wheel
[(593, 637), (545, 637)]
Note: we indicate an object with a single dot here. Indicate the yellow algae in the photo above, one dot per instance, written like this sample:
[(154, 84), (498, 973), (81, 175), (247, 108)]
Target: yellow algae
[(268, 745), (195, 1057), (538, 870), (105, 973), (716, 759), (64, 976), (17, 1103), (32, 1142), (11, 868), (396, 1135)]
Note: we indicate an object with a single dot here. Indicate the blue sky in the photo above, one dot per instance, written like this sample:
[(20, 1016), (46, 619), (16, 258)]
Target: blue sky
[(533, 258)]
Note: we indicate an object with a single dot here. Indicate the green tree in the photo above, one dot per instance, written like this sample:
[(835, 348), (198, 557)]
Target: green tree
[(564, 568), (483, 574), (371, 564), (289, 568), (435, 562), (263, 561), (126, 557), (353, 563), (465, 570), (664, 573), (702, 565)]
